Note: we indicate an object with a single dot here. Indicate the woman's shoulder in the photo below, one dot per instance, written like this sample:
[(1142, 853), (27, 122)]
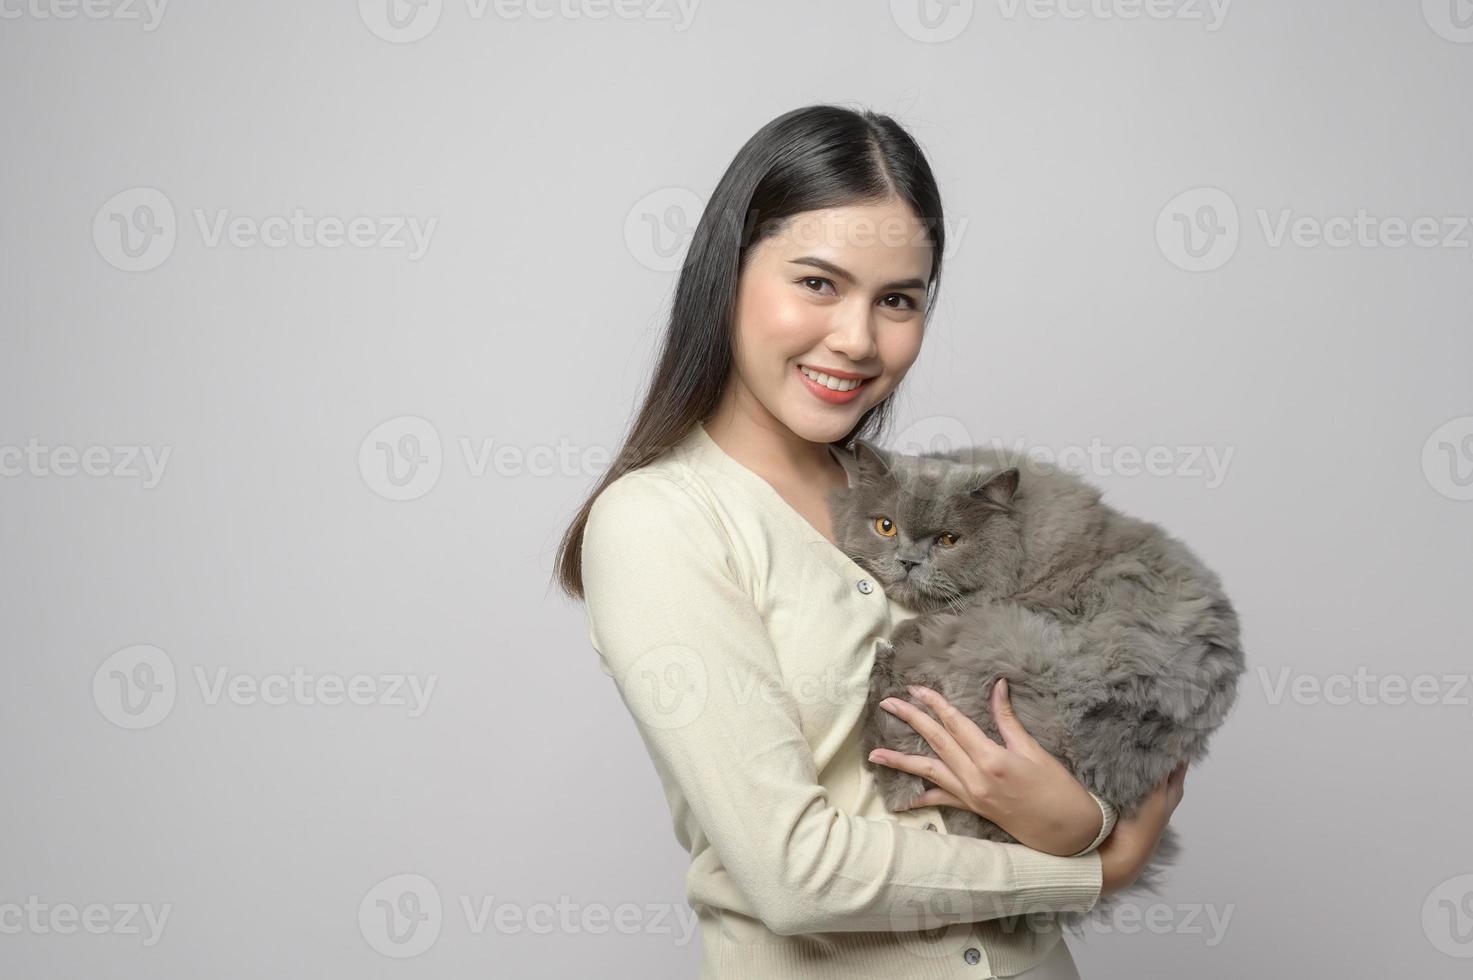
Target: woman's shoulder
[(656, 524), (663, 496), (657, 484), (678, 478)]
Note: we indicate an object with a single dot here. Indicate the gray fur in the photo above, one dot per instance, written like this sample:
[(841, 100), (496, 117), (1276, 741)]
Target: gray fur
[(1120, 647)]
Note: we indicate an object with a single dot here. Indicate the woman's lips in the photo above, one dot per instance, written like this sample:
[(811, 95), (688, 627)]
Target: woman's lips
[(828, 394)]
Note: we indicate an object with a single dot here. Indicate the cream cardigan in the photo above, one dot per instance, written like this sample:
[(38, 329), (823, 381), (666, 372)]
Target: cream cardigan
[(741, 641)]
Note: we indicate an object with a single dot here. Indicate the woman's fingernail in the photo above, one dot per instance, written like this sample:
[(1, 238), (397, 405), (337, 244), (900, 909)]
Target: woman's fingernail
[(888, 704), (874, 756), (916, 689)]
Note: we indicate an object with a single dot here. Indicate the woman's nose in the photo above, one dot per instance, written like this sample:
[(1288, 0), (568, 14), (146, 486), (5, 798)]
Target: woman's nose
[(854, 336)]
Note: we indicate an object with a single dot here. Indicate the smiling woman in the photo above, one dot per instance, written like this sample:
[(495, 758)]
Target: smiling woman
[(829, 317), (707, 562)]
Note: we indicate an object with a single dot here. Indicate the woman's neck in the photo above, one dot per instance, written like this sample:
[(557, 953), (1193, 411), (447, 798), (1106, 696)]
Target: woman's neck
[(752, 436)]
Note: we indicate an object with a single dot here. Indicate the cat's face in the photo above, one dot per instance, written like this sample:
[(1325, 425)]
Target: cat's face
[(931, 530)]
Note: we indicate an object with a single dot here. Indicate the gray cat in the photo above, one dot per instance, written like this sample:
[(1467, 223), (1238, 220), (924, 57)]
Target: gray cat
[(1120, 648)]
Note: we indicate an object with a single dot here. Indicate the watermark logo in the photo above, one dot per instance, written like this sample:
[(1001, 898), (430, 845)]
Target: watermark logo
[(1447, 917), (1366, 689), (943, 434), (135, 688), (401, 459), (401, 915), (1363, 230), (1447, 458), (1198, 230), (37, 918), (400, 21), (667, 687), (932, 21), (1451, 19), (143, 463), (149, 13), (939, 925), (659, 227), (1211, 13), (135, 229), (1129, 918), (389, 232), (407, 21), (932, 434)]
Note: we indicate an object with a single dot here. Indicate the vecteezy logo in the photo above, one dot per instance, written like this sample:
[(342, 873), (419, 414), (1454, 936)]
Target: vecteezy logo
[(932, 21), (135, 687), (660, 226), (1447, 917), (667, 687), (932, 434), (1451, 19), (135, 229), (401, 458), (1447, 458), (940, 926), (400, 916), (400, 21), (1198, 230)]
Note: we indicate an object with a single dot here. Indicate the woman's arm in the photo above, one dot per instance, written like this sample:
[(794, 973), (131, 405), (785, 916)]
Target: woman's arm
[(693, 662)]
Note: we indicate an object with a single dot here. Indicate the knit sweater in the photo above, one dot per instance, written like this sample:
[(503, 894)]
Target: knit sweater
[(741, 641)]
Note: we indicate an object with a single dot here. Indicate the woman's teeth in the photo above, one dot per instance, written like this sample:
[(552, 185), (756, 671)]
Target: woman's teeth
[(833, 384)]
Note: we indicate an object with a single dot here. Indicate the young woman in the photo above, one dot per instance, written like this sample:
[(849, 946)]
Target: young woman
[(741, 638)]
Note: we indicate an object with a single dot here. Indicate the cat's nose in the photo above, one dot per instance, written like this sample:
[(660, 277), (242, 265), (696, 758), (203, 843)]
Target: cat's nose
[(908, 564)]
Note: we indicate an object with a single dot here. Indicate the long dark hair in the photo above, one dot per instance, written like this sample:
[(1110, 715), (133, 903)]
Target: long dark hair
[(809, 159)]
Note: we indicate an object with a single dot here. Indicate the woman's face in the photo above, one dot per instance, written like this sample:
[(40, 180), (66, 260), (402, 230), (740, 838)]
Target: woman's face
[(839, 292)]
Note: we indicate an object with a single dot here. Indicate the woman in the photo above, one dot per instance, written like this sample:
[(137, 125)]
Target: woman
[(741, 638)]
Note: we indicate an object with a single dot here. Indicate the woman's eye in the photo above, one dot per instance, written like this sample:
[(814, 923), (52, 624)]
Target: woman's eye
[(910, 304), (946, 540), (818, 279), (885, 526)]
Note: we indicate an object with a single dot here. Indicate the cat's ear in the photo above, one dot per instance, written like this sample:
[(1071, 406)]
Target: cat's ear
[(863, 459), (998, 489)]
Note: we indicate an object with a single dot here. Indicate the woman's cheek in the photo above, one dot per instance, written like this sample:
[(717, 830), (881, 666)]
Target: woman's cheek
[(792, 325), (902, 351)]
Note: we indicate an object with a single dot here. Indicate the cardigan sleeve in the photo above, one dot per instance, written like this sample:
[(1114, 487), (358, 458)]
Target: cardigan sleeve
[(1108, 811), (686, 646)]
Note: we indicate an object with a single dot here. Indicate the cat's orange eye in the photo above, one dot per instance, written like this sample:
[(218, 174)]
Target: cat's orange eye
[(885, 526), (946, 540)]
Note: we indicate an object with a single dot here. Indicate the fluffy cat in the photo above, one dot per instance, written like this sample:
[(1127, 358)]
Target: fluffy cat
[(1120, 648)]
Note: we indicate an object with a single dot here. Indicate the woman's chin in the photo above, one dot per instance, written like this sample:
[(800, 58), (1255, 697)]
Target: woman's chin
[(816, 422)]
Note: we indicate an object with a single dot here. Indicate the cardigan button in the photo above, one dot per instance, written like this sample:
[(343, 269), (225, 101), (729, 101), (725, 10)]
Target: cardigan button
[(972, 955), (865, 586)]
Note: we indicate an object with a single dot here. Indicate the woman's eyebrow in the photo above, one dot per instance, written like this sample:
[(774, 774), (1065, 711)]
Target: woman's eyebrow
[(844, 274)]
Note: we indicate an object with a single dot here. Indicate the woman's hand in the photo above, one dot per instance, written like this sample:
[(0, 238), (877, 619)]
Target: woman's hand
[(1020, 787), (1130, 845)]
